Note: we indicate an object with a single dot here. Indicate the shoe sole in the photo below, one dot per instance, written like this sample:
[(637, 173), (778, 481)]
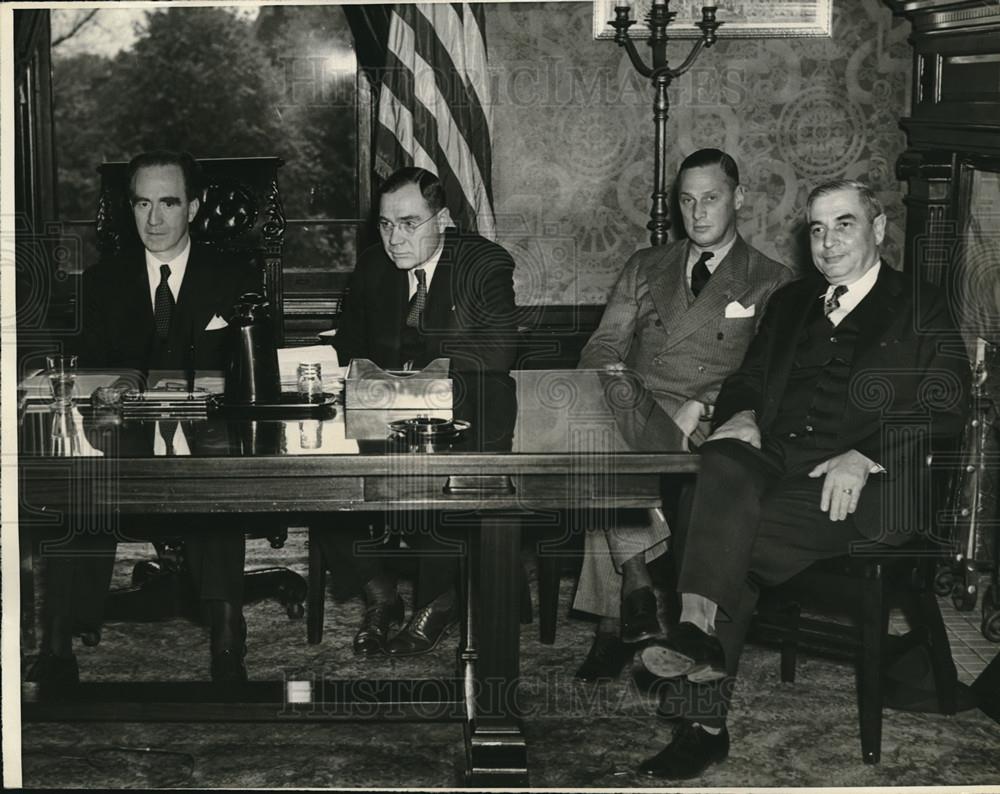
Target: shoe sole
[(664, 662), (705, 674), (667, 663)]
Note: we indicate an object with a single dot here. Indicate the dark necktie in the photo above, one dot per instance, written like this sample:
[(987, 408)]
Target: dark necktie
[(164, 303), (418, 300), (832, 301), (700, 274)]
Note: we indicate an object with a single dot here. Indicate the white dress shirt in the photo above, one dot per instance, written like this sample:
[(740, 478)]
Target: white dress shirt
[(718, 254), (179, 441), (856, 292), (178, 266), (428, 267)]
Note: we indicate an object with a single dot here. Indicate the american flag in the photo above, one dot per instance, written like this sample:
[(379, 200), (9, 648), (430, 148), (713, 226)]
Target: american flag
[(434, 106)]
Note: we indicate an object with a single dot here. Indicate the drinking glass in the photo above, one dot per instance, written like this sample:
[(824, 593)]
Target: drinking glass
[(62, 378)]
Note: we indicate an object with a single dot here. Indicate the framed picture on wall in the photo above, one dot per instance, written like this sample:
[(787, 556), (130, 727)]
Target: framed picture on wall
[(744, 19)]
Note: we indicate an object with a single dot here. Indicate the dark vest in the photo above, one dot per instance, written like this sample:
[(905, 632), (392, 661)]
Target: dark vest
[(813, 404)]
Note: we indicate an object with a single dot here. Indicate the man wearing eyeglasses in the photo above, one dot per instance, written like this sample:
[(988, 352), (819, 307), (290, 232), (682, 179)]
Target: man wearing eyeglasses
[(428, 291)]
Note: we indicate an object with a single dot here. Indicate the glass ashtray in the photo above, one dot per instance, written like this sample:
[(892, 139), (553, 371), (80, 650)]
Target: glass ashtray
[(428, 433)]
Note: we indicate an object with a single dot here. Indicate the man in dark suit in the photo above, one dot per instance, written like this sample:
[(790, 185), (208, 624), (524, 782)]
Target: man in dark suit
[(162, 307), (680, 316), (809, 455), (428, 291)]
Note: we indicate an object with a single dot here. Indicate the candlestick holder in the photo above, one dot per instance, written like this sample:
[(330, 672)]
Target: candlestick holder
[(661, 75)]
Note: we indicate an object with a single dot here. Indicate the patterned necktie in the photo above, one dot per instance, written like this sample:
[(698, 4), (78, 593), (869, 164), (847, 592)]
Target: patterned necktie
[(418, 300), (164, 303), (832, 301), (700, 274)]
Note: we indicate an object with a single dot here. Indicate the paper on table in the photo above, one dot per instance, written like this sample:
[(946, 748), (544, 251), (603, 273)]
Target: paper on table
[(289, 359)]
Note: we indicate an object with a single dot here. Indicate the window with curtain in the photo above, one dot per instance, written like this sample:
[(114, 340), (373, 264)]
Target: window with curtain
[(219, 82)]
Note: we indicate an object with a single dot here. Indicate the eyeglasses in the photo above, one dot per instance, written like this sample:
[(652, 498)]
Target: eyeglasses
[(408, 228)]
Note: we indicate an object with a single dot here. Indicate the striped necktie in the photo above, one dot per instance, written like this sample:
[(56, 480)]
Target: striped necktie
[(418, 300), (164, 304)]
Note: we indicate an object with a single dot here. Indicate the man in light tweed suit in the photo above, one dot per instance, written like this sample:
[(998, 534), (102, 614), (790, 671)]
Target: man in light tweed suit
[(681, 316)]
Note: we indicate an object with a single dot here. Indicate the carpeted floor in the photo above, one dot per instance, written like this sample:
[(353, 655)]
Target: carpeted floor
[(802, 734)]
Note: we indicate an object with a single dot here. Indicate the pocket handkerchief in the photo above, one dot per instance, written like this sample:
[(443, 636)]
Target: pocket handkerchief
[(217, 323), (735, 310)]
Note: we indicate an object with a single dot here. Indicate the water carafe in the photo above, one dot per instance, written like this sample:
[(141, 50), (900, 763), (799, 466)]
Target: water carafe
[(252, 377)]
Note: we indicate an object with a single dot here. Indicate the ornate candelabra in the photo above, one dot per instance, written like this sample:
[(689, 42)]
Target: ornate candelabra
[(661, 75)]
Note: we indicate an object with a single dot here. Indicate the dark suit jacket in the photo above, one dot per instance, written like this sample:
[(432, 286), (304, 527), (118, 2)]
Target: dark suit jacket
[(469, 316), (901, 377), (683, 346), (118, 328)]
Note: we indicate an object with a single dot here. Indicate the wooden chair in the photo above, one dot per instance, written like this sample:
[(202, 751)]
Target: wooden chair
[(864, 586), (240, 213)]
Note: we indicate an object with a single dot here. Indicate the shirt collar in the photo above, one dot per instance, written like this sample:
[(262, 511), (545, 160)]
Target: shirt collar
[(178, 266), (858, 288), (695, 251), (428, 267)]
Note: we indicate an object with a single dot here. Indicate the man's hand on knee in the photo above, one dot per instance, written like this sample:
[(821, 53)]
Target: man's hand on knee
[(846, 474), (741, 427)]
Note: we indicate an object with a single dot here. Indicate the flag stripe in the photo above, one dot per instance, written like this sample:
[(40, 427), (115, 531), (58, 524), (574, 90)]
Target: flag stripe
[(434, 37), (394, 115), (418, 89), (434, 105), (428, 88), (424, 130)]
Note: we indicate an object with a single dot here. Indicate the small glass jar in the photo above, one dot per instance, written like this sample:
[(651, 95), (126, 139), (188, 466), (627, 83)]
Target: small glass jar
[(310, 383)]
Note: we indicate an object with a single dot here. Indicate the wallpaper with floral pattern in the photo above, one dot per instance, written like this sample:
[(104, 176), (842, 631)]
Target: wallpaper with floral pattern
[(573, 135)]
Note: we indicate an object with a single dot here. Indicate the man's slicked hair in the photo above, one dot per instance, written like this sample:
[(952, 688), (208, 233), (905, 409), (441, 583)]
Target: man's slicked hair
[(429, 185), (707, 157), (190, 169), (873, 207)]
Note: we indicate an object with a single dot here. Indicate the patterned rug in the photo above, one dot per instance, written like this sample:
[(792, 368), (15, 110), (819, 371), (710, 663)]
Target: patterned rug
[(579, 735)]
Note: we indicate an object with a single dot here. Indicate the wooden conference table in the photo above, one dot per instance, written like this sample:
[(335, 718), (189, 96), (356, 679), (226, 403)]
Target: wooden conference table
[(538, 441)]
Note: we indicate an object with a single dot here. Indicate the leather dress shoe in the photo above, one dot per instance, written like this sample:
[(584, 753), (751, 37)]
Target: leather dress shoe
[(52, 670), (425, 630), (606, 658), (691, 751), (639, 621), (688, 651), (371, 637), (228, 667)]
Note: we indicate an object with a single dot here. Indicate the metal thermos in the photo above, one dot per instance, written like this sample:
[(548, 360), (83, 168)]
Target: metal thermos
[(252, 377)]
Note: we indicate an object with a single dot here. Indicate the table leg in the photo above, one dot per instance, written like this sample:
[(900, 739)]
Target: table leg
[(496, 754)]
